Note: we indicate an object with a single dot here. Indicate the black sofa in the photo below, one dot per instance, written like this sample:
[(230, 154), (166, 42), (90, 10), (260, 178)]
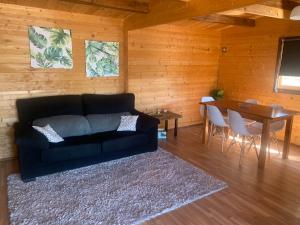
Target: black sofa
[(38, 157)]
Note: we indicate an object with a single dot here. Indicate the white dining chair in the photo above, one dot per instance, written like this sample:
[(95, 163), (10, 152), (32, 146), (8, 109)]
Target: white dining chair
[(274, 127), (239, 129), (201, 109), (219, 127), (205, 99), (252, 101)]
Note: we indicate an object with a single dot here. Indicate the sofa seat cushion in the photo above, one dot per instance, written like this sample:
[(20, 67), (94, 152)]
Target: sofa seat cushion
[(66, 125), (69, 152), (123, 141), (105, 122), (76, 140), (73, 148), (92, 145), (88, 139)]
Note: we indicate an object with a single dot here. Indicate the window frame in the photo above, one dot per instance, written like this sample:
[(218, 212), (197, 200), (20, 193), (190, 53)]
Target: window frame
[(276, 88)]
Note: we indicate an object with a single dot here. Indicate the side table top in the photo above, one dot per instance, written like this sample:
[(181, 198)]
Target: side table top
[(166, 115)]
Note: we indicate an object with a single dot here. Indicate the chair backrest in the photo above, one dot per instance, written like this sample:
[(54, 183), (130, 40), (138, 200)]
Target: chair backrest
[(276, 106), (215, 116), (277, 125), (237, 123), (205, 99), (252, 101)]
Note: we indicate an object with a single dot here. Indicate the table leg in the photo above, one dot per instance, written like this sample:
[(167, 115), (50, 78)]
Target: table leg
[(204, 125), (287, 138), (176, 127), (166, 125), (264, 143)]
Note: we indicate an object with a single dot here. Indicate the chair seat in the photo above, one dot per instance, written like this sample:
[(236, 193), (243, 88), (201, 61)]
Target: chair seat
[(254, 130), (274, 127), (249, 122)]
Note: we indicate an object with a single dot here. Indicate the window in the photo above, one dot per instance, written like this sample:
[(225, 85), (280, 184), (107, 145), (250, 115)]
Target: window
[(288, 66)]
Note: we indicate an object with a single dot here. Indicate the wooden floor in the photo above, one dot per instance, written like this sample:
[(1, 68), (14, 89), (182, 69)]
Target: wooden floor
[(271, 196)]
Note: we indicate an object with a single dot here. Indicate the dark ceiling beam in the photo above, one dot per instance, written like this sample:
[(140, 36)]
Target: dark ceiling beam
[(124, 5), (229, 20), (167, 11)]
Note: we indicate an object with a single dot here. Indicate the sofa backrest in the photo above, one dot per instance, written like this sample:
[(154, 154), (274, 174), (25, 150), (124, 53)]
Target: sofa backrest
[(104, 104), (40, 107)]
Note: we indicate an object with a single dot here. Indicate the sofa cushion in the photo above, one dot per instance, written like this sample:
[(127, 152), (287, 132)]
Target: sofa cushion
[(49, 133), (66, 125), (105, 122), (69, 152), (124, 140), (73, 148), (128, 123), (103, 104), (41, 107), (92, 145)]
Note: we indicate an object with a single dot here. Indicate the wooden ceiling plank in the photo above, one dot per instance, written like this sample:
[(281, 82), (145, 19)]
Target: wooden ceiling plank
[(283, 4), (124, 5), (166, 11), (297, 1), (229, 20), (261, 10)]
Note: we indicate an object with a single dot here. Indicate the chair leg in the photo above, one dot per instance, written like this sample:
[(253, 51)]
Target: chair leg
[(242, 151), (269, 149), (251, 143), (232, 143), (227, 133), (275, 139), (210, 131), (255, 148), (224, 139)]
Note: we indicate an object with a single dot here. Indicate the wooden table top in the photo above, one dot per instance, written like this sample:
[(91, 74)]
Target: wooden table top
[(253, 110), (166, 115)]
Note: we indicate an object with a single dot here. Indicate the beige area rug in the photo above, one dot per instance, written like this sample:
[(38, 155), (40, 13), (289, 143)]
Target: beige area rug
[(121, 192)]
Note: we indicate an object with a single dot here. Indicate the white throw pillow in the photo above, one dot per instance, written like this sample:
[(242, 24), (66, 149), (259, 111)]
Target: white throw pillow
[(49, 133), (128, 123)]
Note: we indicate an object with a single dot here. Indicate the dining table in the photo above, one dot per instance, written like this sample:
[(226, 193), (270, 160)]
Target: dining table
[(260, 113)]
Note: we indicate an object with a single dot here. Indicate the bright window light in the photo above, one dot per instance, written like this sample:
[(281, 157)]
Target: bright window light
[(289, 83)]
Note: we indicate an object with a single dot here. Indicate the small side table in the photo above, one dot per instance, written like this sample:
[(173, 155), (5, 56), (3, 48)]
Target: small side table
[(166, 116)]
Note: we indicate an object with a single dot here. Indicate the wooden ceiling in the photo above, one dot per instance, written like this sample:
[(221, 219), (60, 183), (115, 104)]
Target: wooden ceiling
[(277, 9), (110, 8), (136, 14)]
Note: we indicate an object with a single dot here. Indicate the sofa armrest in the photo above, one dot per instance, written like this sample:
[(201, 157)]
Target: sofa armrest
[(27, 137), (145, 122)]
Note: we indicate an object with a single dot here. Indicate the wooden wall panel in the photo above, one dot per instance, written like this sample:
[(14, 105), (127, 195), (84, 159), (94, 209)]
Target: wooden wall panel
[(18, 80), (171, 67), (247, 70)]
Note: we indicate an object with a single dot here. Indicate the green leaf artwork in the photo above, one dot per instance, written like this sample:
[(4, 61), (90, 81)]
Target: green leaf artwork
[(102, 58), (50, 47)]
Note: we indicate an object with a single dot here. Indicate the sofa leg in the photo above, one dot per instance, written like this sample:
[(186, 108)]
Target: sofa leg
[(29, 180)]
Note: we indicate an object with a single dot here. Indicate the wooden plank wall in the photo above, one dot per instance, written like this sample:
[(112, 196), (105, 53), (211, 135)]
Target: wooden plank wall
[(171, 67), (247, 69), (18, 80)]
